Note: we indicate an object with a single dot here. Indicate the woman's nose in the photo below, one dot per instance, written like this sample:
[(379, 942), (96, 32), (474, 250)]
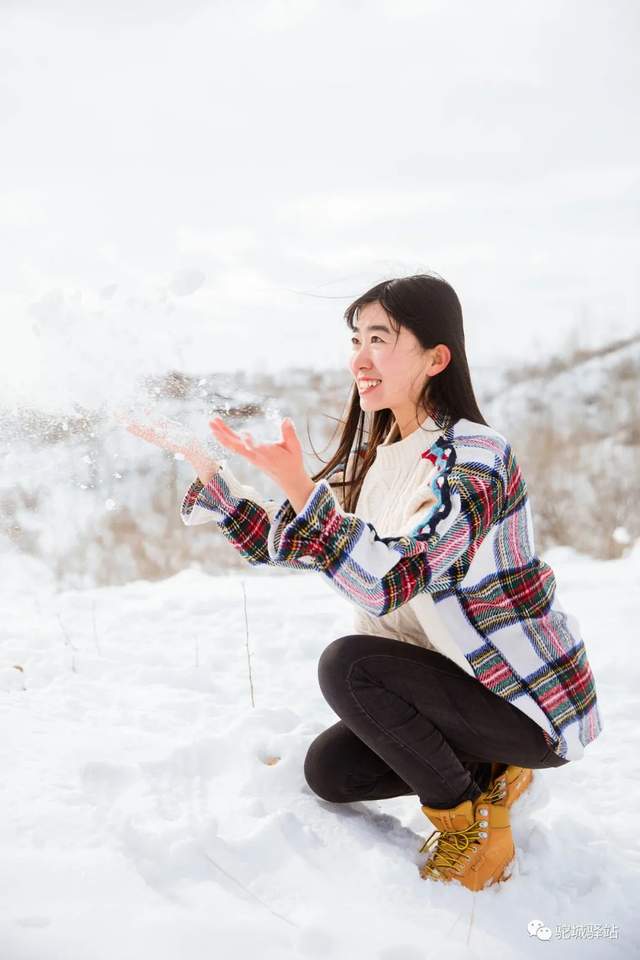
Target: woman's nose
[(360, 359)]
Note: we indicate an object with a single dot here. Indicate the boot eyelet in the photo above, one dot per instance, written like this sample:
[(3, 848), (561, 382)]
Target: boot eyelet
[(483, 812), (484, 823), (485, 835)]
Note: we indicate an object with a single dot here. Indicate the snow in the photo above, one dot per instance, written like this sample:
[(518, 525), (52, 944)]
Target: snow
[(144, 813)]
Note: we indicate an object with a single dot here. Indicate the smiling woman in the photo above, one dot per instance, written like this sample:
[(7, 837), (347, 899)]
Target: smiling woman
[(377, 367), (463, 671), (408, 335)]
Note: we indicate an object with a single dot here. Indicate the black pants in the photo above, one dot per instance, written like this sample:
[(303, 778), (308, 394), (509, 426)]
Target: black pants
[(413, 722)]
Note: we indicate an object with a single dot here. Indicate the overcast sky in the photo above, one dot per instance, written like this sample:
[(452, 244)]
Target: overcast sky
[(206, 185)]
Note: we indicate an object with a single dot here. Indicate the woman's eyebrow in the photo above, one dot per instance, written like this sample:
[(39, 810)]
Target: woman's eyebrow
[(376, 326)]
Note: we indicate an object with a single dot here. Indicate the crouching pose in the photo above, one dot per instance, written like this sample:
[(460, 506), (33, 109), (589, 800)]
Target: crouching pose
[(463, 672)]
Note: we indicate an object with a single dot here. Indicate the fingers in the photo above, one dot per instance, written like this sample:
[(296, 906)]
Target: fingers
[(241, 443), (145, 432), (225, 432), (243, 439), (167, 435), (126, 416), (219, 425), (226, 436), (138, 431)]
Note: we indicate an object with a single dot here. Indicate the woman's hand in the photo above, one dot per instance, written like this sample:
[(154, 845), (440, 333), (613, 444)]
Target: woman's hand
[(174, 437), (283, 461)]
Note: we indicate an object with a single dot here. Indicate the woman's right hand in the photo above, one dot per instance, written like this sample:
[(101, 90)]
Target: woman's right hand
[(174, 437)]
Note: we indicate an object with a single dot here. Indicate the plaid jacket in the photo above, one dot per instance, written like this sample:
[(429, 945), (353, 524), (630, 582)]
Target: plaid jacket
[(473, 551)]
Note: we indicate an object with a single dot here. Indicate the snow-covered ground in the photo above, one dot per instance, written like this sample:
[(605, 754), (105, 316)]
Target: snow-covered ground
[(154, 803)]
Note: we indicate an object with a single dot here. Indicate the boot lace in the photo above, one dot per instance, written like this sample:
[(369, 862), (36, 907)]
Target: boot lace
[(451, 845)]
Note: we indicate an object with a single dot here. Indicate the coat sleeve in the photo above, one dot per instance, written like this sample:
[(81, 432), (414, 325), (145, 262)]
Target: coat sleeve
[(243, 515), (379, 574)]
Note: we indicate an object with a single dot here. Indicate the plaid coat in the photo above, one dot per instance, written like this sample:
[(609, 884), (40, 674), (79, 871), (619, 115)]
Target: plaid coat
[(472, 551)]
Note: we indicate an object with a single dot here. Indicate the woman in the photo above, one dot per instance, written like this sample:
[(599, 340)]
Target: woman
[(463, 672)]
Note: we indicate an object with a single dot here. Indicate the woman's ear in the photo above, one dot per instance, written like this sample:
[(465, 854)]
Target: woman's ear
[(440, 358)]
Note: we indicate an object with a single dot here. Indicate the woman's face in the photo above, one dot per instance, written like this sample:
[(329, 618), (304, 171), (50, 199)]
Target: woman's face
[(401, 365)]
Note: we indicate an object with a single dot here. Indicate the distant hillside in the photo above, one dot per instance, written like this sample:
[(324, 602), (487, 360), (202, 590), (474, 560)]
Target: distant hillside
[(574, 424), (100, 506)]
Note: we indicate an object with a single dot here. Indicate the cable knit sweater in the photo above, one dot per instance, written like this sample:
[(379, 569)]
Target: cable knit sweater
[(451, 548), (395, 491)]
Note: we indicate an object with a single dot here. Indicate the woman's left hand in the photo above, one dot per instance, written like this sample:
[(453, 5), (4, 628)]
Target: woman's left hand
[(283, 461)]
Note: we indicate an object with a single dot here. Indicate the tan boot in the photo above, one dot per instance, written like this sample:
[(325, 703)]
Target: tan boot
[(515, 781), (472, 842)]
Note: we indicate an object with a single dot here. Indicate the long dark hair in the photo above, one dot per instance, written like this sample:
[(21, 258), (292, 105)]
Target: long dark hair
[(427, 306)]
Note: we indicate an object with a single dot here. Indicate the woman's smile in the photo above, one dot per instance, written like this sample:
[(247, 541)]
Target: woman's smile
[(366, 386)]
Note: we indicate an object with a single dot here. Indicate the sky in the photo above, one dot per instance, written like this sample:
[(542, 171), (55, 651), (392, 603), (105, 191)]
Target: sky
[(207, 185)]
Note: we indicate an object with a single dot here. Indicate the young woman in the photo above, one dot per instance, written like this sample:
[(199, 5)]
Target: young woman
[(463, 672)]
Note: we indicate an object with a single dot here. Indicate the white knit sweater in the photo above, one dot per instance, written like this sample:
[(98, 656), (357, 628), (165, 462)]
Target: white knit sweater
[(395, 493)]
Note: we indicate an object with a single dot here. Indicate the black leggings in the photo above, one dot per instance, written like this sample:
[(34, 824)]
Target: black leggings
[(413, 722)]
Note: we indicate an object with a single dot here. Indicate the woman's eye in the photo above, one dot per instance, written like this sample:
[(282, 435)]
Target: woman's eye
[(374, 337)]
